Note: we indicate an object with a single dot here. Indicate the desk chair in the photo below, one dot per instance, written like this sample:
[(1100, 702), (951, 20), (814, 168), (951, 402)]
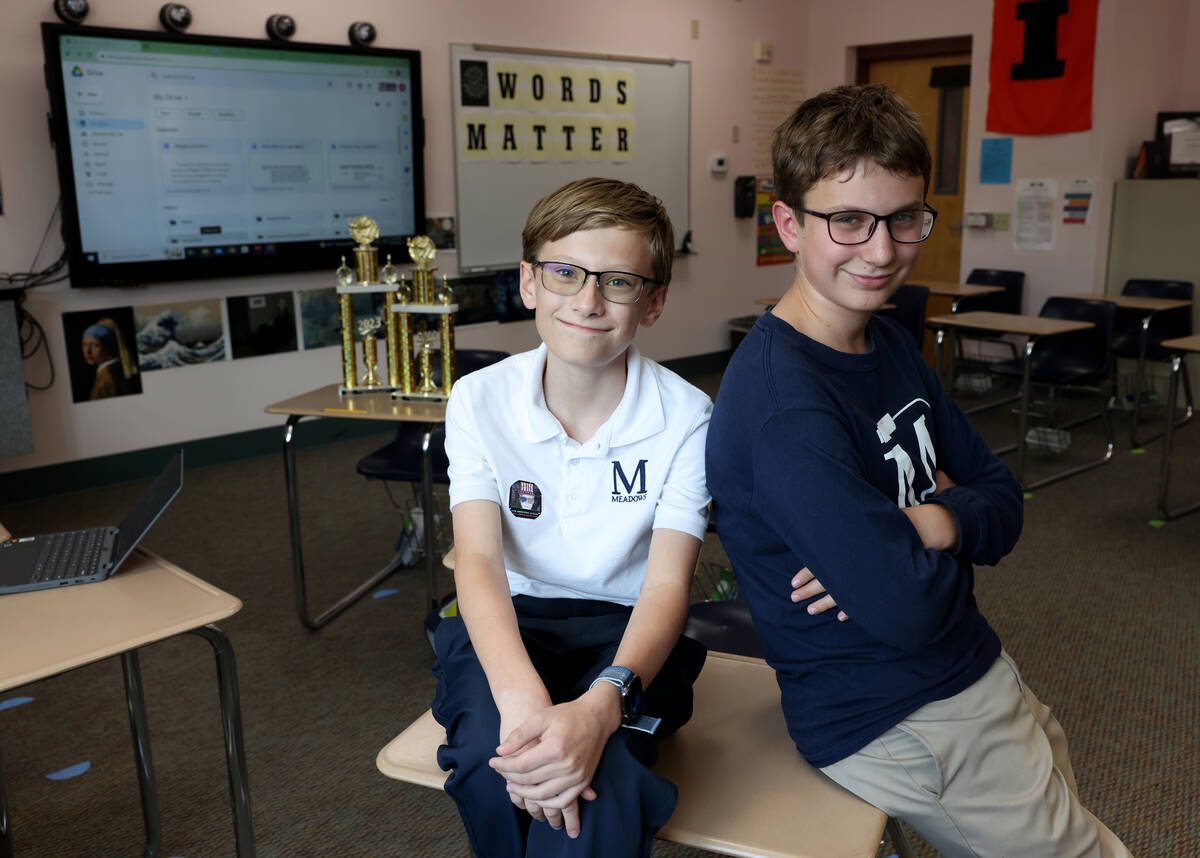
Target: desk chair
[(1134, 329), (1008, 301), (400, 459), (1081, 360), (909, 310)]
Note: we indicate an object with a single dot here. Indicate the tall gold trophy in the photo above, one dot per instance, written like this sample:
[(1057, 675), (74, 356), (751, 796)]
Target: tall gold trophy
[(402, 302), (426, 301)]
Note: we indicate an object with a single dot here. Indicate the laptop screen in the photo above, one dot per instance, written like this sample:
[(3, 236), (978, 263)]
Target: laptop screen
[(148, 508)]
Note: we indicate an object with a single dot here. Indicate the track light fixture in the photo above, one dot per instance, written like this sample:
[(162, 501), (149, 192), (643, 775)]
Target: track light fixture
[(71, 11), (281, 27), (175, 17), (362, 33)]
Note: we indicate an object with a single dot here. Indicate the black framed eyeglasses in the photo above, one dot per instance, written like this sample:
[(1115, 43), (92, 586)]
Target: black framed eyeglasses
[(619, 287), (910, 226)]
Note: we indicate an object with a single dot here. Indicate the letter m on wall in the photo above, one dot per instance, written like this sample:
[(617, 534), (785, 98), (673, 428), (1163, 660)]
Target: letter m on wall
[(1042, 63)]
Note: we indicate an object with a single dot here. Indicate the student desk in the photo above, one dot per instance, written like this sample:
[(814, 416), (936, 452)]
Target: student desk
[(47, 632), (1180, 346), (743, 787), (326, 402), (1032, 328), (944, 297), (1148, 307), (956, 291)]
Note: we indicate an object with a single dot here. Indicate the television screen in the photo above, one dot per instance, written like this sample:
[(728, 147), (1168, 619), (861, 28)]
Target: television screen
[(185, 156)]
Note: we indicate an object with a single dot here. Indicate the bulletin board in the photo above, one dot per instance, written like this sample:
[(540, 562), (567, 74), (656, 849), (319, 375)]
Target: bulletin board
[(526, 123)]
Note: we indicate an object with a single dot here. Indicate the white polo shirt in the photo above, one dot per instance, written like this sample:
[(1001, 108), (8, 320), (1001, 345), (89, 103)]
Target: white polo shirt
[(577, 518)]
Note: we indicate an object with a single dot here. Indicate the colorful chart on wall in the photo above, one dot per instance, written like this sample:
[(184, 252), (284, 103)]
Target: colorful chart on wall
[(769, 250)]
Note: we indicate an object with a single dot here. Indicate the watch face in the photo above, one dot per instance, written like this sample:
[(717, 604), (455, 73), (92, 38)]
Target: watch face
[(634, 697)]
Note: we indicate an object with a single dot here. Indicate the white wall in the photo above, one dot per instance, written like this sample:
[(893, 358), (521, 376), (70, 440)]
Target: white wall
[(1143, 65), (184, 404)]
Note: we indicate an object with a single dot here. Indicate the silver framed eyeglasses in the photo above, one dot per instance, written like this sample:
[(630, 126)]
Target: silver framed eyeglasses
[(910, 226), (618, 287)]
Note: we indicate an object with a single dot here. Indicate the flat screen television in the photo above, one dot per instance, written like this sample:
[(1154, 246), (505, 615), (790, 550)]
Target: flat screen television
[(186, 156)]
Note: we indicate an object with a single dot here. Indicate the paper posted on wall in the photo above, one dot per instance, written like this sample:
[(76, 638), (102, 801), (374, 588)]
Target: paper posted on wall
[(1034, 210)]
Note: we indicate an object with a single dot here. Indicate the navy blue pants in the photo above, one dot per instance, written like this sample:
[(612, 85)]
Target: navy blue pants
[(569, 641)]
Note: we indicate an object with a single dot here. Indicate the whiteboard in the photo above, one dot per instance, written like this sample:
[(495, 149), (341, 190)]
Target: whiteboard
[(630, 121)]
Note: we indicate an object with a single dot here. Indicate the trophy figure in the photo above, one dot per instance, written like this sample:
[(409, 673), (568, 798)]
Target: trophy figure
[(428, 388), (422, 252), (364, 230), (366, 329)]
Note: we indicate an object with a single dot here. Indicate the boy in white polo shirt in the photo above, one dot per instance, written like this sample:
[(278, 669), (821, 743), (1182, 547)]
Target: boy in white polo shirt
[(579, 503)]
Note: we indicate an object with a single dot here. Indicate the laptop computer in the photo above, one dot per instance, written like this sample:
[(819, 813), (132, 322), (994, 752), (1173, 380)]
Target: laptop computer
[(83, 556)]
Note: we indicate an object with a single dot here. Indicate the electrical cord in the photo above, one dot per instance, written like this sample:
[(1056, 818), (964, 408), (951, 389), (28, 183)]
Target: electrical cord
[(31, 332)]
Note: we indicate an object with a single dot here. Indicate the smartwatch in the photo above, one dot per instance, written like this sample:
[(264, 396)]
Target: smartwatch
[(630, 686)]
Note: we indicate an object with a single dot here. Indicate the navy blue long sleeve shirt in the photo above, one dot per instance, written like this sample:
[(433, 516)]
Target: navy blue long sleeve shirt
[(812, 454)]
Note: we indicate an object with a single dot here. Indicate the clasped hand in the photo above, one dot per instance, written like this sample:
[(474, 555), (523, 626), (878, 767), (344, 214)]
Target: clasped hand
[(549, 758)]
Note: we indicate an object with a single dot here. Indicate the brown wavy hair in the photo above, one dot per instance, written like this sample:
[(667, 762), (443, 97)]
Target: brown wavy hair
[(831, 132)]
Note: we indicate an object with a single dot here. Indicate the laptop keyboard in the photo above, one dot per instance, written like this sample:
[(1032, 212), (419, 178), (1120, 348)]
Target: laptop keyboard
[(70, 554)]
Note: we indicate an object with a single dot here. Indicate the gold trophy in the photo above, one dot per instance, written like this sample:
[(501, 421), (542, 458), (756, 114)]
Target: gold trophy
[(403, 299), (364, 230), (422, 251), (366, 329), (425, 301)]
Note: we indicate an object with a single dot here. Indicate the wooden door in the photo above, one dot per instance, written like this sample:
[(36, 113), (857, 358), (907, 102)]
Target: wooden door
[(941, 253), (913, 77)]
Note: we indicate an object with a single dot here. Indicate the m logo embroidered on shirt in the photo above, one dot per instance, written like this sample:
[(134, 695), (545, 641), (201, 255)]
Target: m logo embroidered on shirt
[(525, 499), (621, 482)]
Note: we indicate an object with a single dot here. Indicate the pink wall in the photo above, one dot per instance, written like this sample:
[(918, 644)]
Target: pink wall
[(1143, 65), (710, 288)]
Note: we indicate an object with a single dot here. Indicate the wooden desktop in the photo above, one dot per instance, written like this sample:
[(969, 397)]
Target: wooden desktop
[(44, 633)]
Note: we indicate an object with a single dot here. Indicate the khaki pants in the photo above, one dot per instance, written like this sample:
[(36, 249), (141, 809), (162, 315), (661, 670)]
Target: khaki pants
[(982, 773)]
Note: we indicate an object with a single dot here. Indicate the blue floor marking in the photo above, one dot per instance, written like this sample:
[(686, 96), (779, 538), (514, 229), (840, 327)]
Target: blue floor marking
[(70, 771), (14, 701), (383, 594)]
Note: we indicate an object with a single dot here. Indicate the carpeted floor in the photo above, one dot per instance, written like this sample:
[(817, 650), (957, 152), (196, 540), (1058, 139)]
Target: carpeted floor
[(1101, 611)]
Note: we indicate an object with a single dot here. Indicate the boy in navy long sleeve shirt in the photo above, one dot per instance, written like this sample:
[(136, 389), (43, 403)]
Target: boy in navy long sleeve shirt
[(835, 451)]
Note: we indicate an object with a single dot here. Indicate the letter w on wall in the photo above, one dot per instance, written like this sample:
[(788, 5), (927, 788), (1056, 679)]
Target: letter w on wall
[(1043, 57)]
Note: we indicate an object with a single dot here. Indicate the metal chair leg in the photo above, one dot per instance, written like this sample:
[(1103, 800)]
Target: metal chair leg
[(231, 723), (135, 699), (1178, 367), (1135, 417)]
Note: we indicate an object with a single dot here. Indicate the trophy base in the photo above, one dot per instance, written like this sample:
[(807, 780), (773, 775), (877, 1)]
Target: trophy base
[(358, 391), (419, 397)]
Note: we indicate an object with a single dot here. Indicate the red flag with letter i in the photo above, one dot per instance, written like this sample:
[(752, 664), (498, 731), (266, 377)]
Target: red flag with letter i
[(1043, 56)]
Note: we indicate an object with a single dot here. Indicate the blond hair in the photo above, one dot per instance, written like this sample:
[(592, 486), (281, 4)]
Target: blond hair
[(597, 203)]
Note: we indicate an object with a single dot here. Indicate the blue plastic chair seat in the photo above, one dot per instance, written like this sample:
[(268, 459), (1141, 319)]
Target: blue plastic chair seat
[(400, 460), (1079, 357), (1167, 325)]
